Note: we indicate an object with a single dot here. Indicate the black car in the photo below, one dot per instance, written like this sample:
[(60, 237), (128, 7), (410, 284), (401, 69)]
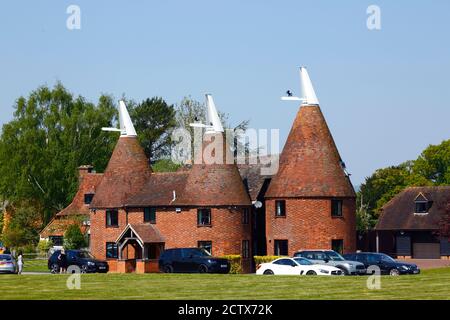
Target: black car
[(386, 264), (191, 260), (83, 259)]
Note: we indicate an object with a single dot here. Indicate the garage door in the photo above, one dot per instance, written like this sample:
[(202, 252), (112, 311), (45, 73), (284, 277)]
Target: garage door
[(426, 251)]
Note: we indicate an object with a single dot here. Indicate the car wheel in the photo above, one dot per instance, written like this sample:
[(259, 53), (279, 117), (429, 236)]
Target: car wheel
[(394, 272), (202, 268), (268, 272), (168, 269), (54, 268), (84, 269), (311, 273)]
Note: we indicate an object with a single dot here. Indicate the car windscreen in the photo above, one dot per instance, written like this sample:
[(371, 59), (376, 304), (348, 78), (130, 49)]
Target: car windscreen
[(303, 261), (196, 252), (335, 256), (85, 255), (385, 257), (5, 257)]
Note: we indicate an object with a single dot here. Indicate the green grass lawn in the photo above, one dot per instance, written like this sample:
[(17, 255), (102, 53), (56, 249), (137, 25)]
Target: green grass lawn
[(431, 284), (35, 265)]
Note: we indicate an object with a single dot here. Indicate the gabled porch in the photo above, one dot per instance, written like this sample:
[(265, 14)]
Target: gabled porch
[(139, 247)]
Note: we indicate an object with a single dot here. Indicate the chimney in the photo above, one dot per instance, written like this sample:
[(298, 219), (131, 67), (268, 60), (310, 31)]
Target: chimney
[(84, 170)]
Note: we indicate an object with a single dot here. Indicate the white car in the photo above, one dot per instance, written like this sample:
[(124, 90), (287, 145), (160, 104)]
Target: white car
[(296, 266)]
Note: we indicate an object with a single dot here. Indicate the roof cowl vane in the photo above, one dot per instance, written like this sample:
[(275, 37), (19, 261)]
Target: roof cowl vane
[(307, 94), (214, 124), (126, 125)]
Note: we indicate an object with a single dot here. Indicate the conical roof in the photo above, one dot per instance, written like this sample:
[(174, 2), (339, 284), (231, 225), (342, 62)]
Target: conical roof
[(310, 165), (127, 172), (219, 183)]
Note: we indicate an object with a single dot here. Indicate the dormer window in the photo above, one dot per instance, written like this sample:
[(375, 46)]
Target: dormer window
[(88, 198), (421, 207), (421, 204)]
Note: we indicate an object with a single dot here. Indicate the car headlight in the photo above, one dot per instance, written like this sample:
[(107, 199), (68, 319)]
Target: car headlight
[(324, 271), (212, 261), (90, 263), (405, 267)]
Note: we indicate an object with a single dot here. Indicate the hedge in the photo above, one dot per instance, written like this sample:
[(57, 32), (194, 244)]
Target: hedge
[(235, 261), (263, 259)]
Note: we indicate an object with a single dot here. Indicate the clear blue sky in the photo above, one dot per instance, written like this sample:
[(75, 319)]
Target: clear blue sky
[(385, 94)]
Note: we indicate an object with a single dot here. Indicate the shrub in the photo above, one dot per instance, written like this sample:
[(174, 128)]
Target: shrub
[(263, 259), (74, 238), (44, 246), (235, 261)]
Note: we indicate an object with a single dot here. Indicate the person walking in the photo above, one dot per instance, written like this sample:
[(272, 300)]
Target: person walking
[(20, 263), (62, 261)]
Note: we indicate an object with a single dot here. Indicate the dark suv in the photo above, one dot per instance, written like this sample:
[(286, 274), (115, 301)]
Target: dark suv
[(191, 260), (386, 264), (83, 259)]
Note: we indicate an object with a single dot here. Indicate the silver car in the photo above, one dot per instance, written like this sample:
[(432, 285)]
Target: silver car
[(332, 258), (7, 264)]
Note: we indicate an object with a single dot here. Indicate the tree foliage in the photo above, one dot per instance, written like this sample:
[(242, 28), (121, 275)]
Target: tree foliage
[(154, 121), (51, 134), (74, 238)]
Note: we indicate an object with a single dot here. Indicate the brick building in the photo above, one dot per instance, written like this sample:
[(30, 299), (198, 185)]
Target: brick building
[(310, 203)]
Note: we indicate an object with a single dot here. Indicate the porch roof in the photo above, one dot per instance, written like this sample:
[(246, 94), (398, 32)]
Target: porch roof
[(145, 232)]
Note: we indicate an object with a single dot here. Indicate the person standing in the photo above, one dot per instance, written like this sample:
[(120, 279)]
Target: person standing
[(62, 261), (20, 263)]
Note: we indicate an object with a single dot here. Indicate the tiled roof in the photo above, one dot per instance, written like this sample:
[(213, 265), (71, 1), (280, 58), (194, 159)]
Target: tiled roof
[(159, 190), (58, 226), (253, 179), (310, 165), (399, 213), (217, 184), (146, 232), (88, 184), (126, 174)]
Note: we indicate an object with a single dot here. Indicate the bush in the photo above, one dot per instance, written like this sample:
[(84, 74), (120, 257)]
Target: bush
[(235, 261), (44, 246), (264, 259), (74, 238)]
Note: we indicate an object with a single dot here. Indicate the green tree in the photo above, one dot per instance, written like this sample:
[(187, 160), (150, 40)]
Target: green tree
[(434, 163), (51, 134), (165, 165), (154, 121), (189, 111), (74, 238), (23, 227)]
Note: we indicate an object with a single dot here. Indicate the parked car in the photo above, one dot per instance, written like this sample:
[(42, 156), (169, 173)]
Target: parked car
[(332, 258), (296, 266), (7, 264), (386, 264), (192, 260), (81, 258)]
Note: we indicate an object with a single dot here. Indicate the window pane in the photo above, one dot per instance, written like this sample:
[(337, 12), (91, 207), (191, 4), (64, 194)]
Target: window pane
[(281, 247), (111, 250), (336, 208), (206, 245), (204, 216), (150, 215), (280, 208), (112, 218), (245, 216), (88, 198), (338, 246)]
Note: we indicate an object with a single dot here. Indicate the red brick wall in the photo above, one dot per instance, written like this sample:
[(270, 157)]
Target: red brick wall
[(179, 229), (308, 225)]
